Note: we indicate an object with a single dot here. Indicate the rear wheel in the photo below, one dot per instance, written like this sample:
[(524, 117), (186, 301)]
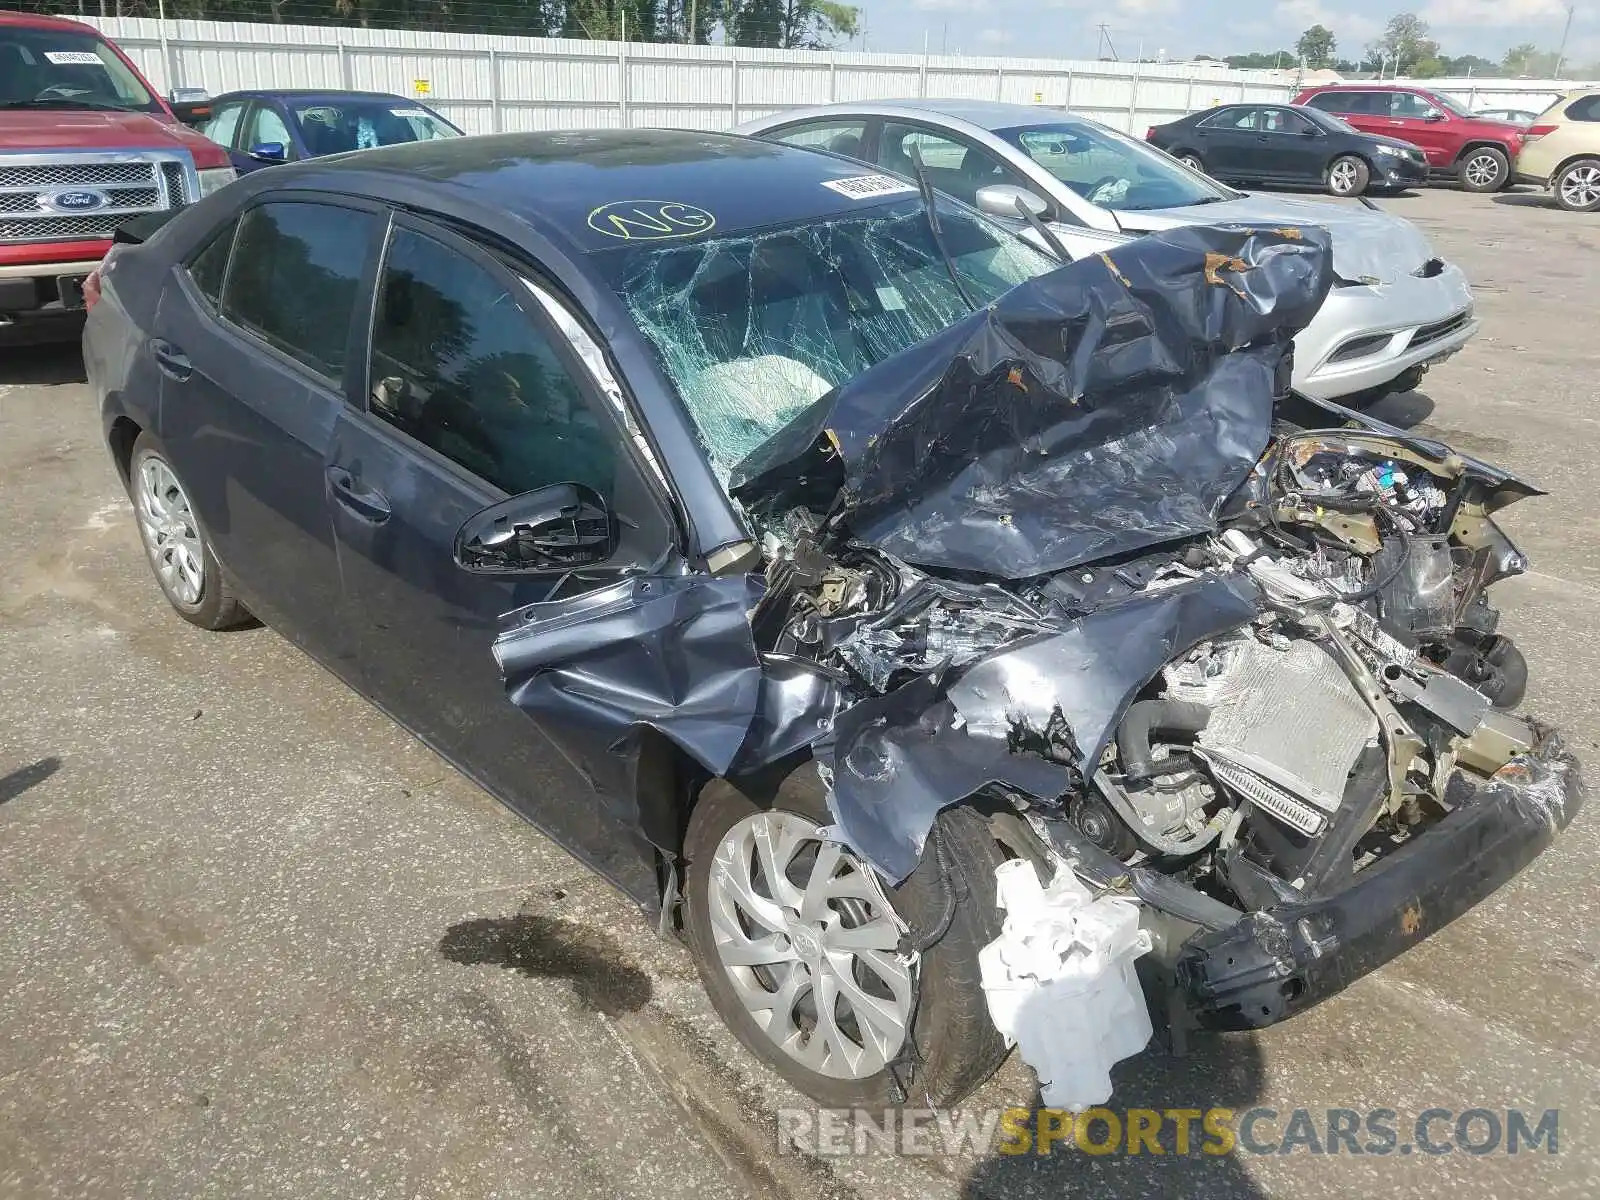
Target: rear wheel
[(797, 945), (1483, 169), (184, 566), (1577, 185), (1347, 176), (1192, 160)]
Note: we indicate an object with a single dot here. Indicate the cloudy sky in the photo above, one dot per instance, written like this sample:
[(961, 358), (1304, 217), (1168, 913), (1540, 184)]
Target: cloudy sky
[(1186, 27)]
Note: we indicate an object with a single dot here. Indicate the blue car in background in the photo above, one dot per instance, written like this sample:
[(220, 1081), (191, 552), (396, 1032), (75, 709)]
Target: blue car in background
[(261, 128)]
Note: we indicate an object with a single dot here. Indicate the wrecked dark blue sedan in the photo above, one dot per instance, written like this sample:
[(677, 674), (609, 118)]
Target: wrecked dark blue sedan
[(806, 552)]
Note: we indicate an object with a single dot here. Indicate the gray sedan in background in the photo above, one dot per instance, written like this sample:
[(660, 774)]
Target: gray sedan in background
[(1397, 308)]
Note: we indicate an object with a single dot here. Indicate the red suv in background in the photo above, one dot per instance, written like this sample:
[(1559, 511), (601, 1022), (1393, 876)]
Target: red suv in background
[(85, 145), (1477, 151)]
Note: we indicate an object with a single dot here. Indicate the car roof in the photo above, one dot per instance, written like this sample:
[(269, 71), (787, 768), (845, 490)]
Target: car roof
[(990, 115), (1365, 87), (309, 94), (41, 21), (570, 185)]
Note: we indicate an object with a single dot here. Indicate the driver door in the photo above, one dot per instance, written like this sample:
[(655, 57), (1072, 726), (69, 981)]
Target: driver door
[(472, 395)]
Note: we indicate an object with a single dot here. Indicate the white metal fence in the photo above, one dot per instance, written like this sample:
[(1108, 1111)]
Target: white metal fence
[(489, 83)]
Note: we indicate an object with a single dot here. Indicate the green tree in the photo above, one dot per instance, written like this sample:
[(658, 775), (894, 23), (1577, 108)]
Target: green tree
[(1316, 46), (1517, 58), (1405, 42), (790, 24), (1261, 62)]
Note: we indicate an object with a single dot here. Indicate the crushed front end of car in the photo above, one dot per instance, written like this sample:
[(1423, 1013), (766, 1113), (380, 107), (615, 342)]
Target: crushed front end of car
[(1084, 562)]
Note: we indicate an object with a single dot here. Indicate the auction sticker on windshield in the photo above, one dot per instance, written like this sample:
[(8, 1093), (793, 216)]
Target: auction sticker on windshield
[(865, 187), (73, 58)]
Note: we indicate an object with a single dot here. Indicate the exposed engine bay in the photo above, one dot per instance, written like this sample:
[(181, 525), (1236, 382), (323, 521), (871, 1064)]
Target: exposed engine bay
[(1272, 757), (1084, 563)]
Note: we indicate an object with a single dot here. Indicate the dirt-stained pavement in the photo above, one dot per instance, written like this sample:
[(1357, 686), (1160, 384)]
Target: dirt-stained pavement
[(254, 940)]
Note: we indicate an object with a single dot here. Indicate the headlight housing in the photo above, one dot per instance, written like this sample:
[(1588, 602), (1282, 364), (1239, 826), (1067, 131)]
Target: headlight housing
[(1391, 151), (215, 179)]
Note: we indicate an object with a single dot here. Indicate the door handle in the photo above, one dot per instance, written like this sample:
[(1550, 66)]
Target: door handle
[(171, 361), (367, 503)]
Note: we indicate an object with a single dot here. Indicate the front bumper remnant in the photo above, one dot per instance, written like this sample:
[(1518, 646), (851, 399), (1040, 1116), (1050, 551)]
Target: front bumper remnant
[(1277, 962)]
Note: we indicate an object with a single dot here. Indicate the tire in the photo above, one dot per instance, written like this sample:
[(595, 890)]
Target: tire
[(1347, 175), (1483, 169), (1193, 161), (1576, 186), (175, 544), (956, 1041)]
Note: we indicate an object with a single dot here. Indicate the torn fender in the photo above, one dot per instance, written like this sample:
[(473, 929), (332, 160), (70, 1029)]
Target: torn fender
[(895, 760), (1091, 671), (669, 653)]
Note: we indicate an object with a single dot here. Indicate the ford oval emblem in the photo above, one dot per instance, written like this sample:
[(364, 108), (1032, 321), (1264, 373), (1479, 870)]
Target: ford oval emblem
[(81, 200)]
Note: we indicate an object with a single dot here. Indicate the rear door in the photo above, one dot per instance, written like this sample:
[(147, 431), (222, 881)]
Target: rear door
[(252, 340), (1227, 142), (1367, 111), (473, 395)]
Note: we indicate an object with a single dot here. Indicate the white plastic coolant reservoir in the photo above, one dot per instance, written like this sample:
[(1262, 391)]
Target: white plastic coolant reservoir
[(1061, 985)]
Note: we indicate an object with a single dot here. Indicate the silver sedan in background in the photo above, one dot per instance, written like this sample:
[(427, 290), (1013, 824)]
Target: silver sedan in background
[(1396, 309)]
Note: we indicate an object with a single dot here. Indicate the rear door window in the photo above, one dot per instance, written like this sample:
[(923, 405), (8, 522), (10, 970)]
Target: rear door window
[(209, 267), (1232, 119), (1362, 104), (1584, 108), (841, 137), (295, 274)]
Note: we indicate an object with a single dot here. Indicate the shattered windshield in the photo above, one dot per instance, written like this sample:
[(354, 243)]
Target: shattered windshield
[(753, 329)]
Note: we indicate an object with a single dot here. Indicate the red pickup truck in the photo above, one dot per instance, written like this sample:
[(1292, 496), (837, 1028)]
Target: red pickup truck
[(85, 145)]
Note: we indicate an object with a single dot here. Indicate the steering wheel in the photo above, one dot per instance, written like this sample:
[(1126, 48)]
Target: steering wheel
[(1103, 181)]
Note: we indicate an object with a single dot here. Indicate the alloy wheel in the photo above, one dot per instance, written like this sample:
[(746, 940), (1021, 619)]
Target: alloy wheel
[(171, 536), (1342, 177), (1580, 186), (809, 941), (1193, 163), (1482, 170)]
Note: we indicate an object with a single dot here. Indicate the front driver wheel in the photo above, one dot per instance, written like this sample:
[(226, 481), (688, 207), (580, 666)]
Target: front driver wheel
[(1348, 176), (1484, 169), (1577, 187), (798, 945), (189, 575)]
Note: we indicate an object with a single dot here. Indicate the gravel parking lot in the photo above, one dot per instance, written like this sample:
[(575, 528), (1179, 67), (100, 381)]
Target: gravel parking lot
[(254, 940)]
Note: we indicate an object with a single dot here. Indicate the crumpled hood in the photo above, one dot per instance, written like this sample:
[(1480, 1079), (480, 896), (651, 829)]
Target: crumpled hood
[(1366, 243), (1107, 406)]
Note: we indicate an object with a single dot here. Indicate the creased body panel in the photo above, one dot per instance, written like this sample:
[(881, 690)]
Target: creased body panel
[(1096, 410)]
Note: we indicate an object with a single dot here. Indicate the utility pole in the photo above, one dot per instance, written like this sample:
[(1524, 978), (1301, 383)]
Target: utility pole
[(694, 18), (1561, 53), (1105, 41)]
